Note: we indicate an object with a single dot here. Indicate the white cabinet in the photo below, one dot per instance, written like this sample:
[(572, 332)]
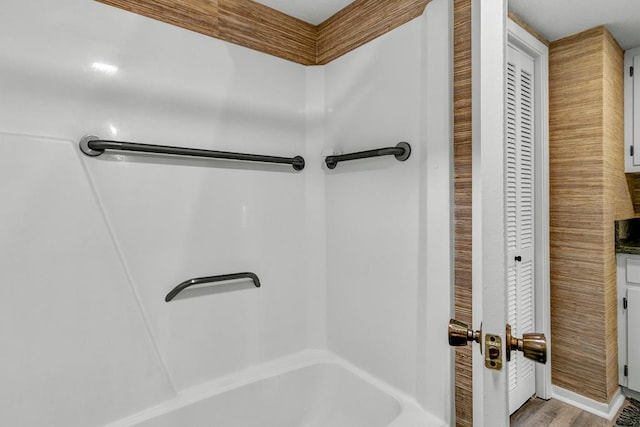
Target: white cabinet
[(633, 338), (628, 272), (632, 110)]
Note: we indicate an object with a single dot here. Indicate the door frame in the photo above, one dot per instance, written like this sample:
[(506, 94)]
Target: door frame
[(489, 259), (523, 40), (491, 31)]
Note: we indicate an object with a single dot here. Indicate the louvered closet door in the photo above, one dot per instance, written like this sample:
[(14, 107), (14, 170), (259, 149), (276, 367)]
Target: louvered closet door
[(520, 220)]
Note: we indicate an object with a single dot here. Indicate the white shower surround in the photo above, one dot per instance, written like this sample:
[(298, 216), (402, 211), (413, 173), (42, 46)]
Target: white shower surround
[(354, 261)]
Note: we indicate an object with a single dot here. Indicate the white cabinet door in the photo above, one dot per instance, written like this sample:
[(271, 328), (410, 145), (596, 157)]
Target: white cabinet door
[(632, 110), (633, 337), (636, 110)]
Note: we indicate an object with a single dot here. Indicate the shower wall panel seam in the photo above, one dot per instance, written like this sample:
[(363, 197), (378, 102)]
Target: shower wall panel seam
[(125, 267)]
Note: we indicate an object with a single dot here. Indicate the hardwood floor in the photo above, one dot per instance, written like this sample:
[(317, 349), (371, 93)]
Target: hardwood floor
[(553, 413)]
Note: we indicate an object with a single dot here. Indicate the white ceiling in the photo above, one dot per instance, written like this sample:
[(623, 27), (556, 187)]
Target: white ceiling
[(555, 19), (312, 11)]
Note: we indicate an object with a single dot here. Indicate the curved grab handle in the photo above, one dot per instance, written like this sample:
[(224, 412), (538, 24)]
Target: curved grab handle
[(211, 279), (401, 151)]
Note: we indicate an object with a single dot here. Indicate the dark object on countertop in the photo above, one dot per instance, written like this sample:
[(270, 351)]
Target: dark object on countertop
[(627, 234)]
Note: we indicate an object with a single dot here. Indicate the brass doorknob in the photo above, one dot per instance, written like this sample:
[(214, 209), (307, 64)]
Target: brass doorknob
[(460, 333), (533, 345)]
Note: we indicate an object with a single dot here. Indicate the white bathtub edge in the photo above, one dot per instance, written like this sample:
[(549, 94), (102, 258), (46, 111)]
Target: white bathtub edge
[(411, 413)]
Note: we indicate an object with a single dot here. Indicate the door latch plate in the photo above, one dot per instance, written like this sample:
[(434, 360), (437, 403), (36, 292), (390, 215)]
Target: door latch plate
[(493, 351)]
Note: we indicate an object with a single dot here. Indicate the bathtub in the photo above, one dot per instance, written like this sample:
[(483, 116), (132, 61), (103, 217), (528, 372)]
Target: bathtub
[(308, 389)]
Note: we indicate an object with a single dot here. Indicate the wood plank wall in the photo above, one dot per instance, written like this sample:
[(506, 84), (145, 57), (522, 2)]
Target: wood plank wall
[(462, 201), (586, 174), (258, 27)]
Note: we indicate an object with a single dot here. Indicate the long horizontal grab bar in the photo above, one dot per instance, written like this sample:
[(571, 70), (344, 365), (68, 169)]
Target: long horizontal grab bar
[(94, 146), (211, 279), (402, 151)]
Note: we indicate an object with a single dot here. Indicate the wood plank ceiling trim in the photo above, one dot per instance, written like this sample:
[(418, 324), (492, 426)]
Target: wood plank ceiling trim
[(200, 16), (258, 27), (361, 22)]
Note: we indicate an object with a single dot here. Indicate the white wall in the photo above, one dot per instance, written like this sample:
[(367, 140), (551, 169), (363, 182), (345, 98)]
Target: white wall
[(373, 100), (388, 222), (75, 349), (350, 259), (89, 247)]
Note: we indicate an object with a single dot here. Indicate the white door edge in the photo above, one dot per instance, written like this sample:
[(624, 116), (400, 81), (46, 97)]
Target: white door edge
[(526, 42), (489, 41)]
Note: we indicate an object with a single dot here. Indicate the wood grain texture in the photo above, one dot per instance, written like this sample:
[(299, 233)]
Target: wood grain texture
[(586, 171), (462, 201), (200, 16), (242, 22), (528, 28), (361, 22), (259, 27)]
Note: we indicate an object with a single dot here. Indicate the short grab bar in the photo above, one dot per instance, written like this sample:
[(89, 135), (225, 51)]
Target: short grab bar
[(401, 151), (93, 146), (211, 279)]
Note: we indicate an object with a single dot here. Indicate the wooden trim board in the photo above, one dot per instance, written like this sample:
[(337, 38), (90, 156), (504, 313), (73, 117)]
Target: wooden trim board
[(259, 27), (361, 22), (242, 22), (200, 16)]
